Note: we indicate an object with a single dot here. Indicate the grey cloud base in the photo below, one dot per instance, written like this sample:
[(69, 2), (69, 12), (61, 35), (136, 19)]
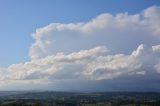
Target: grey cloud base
[(92, 65)]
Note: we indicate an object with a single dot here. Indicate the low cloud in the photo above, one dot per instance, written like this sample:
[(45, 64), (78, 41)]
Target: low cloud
[(92, 64)]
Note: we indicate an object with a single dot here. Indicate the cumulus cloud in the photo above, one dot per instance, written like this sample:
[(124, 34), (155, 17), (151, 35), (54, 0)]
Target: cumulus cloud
[(62, 51), (152, 15), (138, 27), (92, 64)]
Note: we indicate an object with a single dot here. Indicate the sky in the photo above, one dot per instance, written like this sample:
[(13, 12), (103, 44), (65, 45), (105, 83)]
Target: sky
[(80, 45)]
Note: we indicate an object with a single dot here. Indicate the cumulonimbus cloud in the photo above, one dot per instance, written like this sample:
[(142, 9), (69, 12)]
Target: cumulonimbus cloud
[(96, 63)]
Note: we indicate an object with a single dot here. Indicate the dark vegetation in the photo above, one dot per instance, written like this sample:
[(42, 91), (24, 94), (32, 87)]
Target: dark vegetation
[(79, 99)]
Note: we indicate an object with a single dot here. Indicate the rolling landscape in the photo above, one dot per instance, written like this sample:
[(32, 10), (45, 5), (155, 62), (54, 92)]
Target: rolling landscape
[(50, 98)]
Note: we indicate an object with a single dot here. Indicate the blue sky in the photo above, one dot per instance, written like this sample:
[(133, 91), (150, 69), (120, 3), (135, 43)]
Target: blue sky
[(19, 19), (100, 44)]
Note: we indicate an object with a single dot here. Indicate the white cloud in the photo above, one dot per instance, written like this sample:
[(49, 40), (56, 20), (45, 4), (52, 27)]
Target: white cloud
[(92, 64), (47, 66), (156, 48), (137, 26), (152, 16)]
